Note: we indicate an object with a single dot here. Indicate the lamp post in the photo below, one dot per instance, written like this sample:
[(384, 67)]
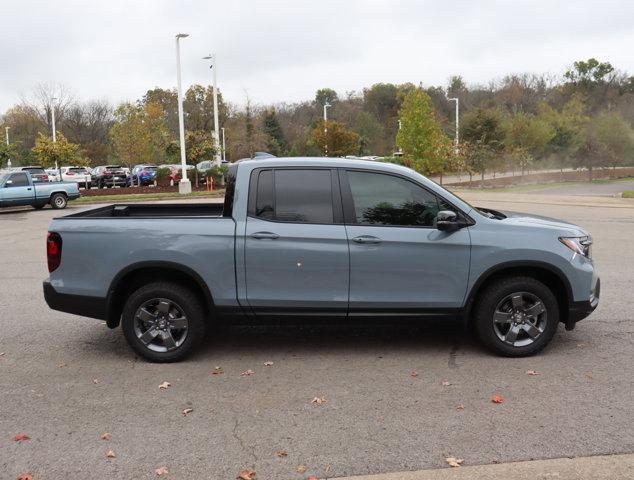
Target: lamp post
[(457, 100), (184, 186), (214, 69), (326, 106), (54, 130), (6, 132), (224, 147)]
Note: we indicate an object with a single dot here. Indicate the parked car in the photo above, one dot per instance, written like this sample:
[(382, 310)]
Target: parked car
[(323, 238), (142, 175), (79, 175), (177, 171), (53, 174), (38, 174), (107, 176), (18, 188)]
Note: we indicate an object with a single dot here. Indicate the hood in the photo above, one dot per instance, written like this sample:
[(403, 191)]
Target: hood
[(517, 218)]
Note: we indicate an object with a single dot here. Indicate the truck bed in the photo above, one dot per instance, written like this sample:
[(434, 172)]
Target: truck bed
[(163, 210)]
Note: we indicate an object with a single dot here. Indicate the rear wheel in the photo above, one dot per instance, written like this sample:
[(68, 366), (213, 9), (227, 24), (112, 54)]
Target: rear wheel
[(59, 201), (163, 321), (516, 316)]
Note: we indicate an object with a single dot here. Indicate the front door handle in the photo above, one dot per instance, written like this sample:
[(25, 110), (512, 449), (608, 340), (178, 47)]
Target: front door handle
[(265, 235), (366, 239)]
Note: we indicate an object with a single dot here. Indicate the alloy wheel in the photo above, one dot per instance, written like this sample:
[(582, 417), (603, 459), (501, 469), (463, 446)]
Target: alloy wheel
[(161, 325), (519, 319)]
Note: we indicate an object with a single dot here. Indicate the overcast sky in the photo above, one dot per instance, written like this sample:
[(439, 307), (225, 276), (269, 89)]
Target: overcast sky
[(283, 50)]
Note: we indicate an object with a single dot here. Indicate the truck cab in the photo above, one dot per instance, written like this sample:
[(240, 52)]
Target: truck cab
[(17, 189)]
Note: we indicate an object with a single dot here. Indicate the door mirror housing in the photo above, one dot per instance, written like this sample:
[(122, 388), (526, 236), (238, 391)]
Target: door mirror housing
[(446, 220)]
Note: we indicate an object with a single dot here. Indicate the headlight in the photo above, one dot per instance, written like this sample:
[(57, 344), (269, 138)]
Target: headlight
[(580, 245)]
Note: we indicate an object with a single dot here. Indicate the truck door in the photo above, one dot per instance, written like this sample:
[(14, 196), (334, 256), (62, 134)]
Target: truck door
[(17, 190), (296, 249), (399, 262)]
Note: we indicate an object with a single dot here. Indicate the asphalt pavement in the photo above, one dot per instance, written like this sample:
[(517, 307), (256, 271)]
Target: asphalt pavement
[(66, 380)]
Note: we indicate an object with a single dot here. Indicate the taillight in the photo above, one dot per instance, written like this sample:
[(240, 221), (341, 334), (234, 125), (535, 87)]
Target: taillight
[(70, 173), (106, 172), (53, 250), (44, 177)]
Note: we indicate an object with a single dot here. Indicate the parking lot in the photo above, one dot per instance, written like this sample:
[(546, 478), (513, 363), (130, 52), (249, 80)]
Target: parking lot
[(395, 397)]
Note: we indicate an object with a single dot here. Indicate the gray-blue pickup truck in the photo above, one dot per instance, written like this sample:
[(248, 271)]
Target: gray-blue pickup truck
[(17, 189), (331, 239)]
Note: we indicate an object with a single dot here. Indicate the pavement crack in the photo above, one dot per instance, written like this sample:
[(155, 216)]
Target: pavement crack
[(453, 354), (250, 450)]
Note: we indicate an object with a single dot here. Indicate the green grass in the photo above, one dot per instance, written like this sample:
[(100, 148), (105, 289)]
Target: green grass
[(141, 197), (532, 187), (628, 194)]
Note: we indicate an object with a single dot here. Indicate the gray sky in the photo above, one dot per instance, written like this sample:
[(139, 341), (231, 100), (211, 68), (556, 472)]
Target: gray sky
[(283, 50)]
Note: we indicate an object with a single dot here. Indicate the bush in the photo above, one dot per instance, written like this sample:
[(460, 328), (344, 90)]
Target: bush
[(217, 173), (163, 173)]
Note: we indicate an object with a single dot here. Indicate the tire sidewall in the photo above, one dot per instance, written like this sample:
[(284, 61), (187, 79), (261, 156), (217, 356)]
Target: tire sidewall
[(185, 299), (54, 201), (494, 294)]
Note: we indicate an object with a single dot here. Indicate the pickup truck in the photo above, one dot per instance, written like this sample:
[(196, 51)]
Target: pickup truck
[(17, 188), (328, 239)]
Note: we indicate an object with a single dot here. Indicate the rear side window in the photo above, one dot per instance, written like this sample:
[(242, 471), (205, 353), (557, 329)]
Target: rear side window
[(19, 180), (381, 199), (298, 196)]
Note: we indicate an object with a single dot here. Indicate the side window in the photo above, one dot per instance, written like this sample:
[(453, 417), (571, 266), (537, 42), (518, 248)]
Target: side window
[(381, 199), (299, 196), (19, 180)]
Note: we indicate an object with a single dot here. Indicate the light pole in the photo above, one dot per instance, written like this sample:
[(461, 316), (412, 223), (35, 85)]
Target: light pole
[(224, 147), (184, 186), (6, 132), (214, 69), (54, 131), (326, 106), (457, 100)]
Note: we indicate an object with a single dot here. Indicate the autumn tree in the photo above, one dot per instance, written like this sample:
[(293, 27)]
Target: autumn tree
[(483, 130), (527, 135), (276, 141), (337, 141), (9, 152), (61, 152), (421, 137)]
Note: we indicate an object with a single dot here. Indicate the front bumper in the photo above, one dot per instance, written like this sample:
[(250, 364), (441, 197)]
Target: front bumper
[(580, 310), (93, 307)]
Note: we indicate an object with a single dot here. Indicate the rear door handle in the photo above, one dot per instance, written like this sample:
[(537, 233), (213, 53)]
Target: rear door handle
[(265, 235), (366, 239)]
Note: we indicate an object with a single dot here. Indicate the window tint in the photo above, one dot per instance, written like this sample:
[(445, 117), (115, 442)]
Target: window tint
[(388, 200), (264, 203), (19, 180)]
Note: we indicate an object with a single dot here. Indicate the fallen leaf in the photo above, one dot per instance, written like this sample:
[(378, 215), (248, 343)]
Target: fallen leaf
[(581, 345), (246, 373), (187, 411), (281, 453), (165, 385), (497, 399), (312, 477), (95, 381), (268, 364), (460, 407), (61, 365), (588, 375), (106, 436), (413, 374), (110, 454), (532, 372), (247, 474), (445, 383), (216, 371), (454, 462), (25, 476), (161, 471), (21, 437), (301, 468), (318, 400), (2, 354)]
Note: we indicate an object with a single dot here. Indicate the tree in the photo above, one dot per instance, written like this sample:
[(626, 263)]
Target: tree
[(276, 141), (62, 152), (337, 142), (370, 132), (568, 127), (483, 131), (421, 137), (527, 134), (616, 137), (588, 72), (325, 95), (9, 152)]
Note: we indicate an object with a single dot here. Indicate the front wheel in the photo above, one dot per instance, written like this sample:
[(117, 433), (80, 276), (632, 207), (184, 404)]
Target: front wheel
[(59, 201), (516, 316), (163, 321)]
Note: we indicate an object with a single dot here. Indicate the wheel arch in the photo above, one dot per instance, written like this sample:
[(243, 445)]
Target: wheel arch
[(546, 273), (137, 274)]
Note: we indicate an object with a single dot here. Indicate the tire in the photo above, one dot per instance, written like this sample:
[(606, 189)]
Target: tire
[(183, 304), (39, 206), (516, 316), (59, 201)]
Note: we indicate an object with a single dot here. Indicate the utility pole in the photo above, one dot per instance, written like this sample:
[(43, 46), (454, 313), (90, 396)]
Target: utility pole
[(326, 106), (224, 147), (457, 140), (214, 69), (184, 186), (6, 132), (54, 131)]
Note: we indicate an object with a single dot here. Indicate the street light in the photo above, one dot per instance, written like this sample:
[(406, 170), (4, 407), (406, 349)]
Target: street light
[(6, 132), (214, 69), (184, 186), (326, 106), (54, 131), (224, 147), (457, 100)]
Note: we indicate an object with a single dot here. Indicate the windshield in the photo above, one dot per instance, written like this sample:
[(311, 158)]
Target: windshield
[(77, 170), (3, 177), (35, 171)]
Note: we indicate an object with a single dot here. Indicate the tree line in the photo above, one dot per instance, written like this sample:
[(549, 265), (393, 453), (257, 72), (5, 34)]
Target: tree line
[(582, 118)]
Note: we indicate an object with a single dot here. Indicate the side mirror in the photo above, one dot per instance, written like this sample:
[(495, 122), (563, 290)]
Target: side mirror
[(447, 220)]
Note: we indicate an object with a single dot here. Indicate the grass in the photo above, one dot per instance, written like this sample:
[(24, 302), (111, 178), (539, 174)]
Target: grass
[(531, 187), (628, 194), (142, 197)]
